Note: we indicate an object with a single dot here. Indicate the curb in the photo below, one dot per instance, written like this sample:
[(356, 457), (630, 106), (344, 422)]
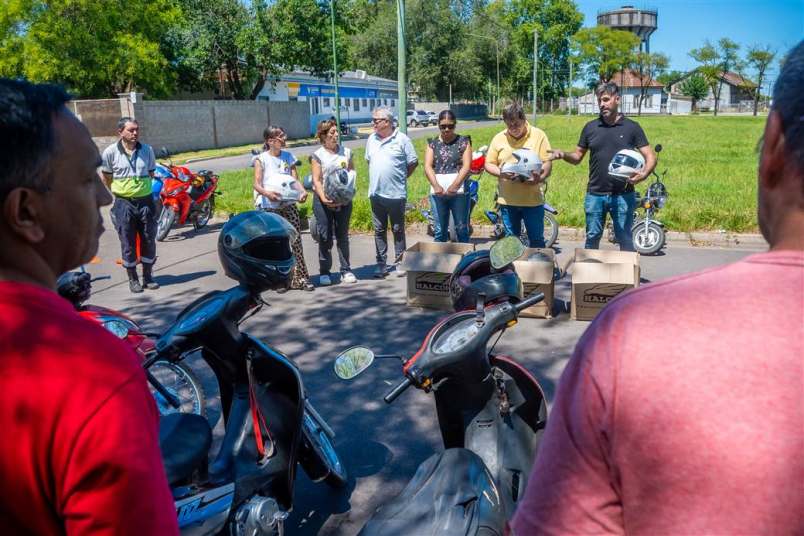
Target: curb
[(709, 239)]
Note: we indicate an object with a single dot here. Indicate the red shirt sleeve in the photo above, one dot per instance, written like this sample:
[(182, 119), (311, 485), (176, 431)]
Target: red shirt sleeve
[(571, 489), (114, 481)]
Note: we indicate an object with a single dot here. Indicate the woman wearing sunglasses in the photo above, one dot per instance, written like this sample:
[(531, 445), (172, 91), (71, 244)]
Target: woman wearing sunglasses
[(275, 179), (447, 160)]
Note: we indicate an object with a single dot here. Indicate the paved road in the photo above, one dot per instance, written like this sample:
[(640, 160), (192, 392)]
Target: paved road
[(382, 445), (243, 161)]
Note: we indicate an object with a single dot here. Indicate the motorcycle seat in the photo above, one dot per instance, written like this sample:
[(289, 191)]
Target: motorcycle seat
[(184, 439), (452, 493)]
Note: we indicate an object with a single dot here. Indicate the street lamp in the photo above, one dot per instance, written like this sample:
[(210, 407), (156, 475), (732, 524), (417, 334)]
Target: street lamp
[(402, 86), (497, 48), (335, 65)]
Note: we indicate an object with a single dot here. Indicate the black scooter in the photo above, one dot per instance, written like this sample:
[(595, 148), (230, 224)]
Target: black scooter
[(491, 412), (270, 426)]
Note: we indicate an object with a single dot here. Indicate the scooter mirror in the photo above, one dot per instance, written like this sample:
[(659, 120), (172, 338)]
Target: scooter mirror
[(505, 251), (353, 361), (658, 148), (255, 152)]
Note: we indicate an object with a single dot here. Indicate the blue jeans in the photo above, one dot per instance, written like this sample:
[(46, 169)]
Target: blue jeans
[(621, 207), (512, 218), (444, 205)]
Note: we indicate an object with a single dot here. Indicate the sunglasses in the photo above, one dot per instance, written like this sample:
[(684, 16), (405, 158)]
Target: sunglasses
[(447, 126), (377, 121)]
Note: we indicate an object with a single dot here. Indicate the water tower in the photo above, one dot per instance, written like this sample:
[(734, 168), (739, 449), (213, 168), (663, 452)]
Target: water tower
[(642, 22)]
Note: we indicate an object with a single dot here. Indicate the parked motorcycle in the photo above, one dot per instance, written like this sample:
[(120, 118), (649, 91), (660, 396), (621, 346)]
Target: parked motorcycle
[(491, 414), (270, 425), (174, 385), (550, 223), (184, 196), (647, 232)]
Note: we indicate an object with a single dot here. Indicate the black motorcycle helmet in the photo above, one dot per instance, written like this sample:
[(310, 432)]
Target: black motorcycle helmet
[(496, 288), (474, 274), (255, 250)]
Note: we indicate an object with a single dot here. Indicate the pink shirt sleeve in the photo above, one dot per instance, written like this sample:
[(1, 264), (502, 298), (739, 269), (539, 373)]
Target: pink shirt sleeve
[(571, 489), (115, 482)]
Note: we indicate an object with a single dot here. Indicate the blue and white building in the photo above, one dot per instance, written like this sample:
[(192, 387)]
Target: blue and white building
[(359, 94)]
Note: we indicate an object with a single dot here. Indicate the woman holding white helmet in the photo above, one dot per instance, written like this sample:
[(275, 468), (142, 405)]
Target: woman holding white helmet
[(334, 186), (277, 189)]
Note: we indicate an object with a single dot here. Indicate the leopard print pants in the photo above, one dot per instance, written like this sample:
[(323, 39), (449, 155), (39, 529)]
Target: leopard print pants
[(300, 276)]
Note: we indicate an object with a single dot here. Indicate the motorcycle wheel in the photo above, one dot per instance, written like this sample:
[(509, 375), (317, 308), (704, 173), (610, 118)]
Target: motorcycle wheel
[(650, 241), (166, 219), (205, 210), (182, 382), (326, 460), (550, 230)]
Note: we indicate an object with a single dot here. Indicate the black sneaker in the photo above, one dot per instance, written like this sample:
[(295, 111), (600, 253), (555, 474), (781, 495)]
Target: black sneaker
[(134, 286), (380, 271)]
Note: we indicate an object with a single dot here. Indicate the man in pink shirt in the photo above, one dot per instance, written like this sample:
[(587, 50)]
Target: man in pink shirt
[(682, 408)]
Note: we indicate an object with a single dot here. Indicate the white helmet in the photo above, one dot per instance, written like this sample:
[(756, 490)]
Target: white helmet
[(525, 162), (625, 163), (283, 184)]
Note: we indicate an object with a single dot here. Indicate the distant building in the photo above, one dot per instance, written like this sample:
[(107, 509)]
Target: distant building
[(630, 91), (359, 94), (737, 91), (642, 22)]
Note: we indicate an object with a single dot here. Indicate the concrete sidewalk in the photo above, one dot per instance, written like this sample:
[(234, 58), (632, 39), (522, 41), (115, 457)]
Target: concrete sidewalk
[(381, 444)]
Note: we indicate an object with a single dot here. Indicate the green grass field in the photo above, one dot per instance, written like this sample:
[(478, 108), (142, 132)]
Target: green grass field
[(711, 178)]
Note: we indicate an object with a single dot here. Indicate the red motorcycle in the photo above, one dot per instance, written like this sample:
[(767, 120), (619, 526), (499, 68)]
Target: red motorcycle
[(175, 387), (184, 196)]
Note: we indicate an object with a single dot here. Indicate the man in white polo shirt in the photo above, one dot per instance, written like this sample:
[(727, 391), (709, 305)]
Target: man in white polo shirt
[(128, 168), (391, 159)]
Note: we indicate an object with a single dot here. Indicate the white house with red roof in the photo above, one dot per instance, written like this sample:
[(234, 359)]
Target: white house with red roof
[(630, 91)]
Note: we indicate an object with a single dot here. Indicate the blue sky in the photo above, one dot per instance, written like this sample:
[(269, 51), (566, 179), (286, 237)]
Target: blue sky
[(685, 24)]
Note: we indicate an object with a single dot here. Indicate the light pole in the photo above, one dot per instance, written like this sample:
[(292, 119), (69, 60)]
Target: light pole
[(335, 65), (497, 48), (402, 85), (535, 62)]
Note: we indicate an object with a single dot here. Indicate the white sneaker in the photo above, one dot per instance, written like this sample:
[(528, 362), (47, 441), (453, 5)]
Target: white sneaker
[(400, 272), (348, 277), (324, 281)]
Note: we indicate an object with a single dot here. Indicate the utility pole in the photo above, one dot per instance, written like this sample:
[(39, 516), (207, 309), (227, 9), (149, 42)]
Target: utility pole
[(535, 64), (569, 91), (335, 65), (400, 66), (497, 50)]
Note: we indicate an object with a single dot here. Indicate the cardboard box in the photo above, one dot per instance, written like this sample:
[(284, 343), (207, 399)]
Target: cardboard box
[(537, 276), (429, 266), (594, 284)]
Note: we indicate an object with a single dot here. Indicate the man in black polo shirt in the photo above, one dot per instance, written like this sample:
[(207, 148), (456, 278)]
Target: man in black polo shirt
[(604, 137)]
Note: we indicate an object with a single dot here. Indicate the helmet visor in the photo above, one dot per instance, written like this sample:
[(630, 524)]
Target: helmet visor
[(625, 160), (245, 230)]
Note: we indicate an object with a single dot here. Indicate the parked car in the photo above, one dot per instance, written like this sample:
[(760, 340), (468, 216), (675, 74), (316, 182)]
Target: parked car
[(433, 118), (417, 118)]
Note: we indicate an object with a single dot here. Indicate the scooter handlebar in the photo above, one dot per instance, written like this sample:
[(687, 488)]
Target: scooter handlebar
[(398, 390), (533, 299)]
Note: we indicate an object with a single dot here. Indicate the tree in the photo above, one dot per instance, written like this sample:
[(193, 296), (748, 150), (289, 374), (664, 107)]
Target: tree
[(288, 35), (759, 58), (695, 87), (668, 77), (94, 48), (605, 51), (716, 62), (204, 47), (648, 66)]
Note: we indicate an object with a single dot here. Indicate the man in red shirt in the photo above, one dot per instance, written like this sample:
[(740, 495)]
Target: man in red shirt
[(79, 450), (682, 409)]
